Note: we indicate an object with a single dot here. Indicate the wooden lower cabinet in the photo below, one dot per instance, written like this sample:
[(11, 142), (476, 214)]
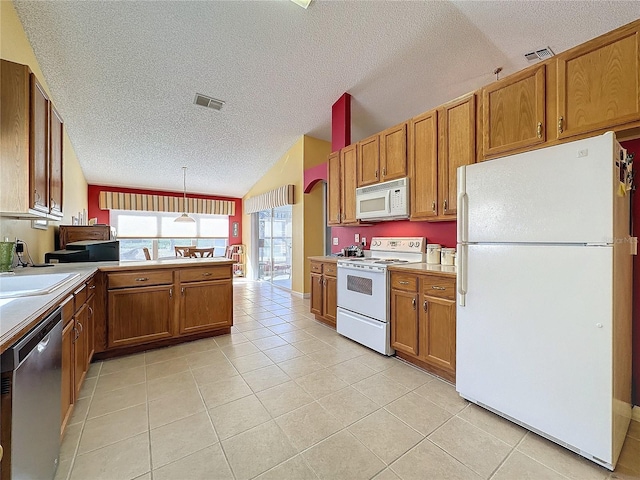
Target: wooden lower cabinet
[(324, 292), (205, 306), (423, 322), (139, 315)]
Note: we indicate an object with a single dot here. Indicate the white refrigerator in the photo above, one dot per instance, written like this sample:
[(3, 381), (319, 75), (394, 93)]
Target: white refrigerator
[(545, 292)]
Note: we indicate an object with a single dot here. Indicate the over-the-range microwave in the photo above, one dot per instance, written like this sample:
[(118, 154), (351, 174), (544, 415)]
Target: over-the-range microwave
[(383, 201)]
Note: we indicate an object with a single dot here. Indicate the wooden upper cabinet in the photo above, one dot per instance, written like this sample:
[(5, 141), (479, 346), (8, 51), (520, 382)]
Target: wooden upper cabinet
[(599, 83), (393, 152), (55, 168), (423, 160), (348, 165), (39, 147), (334, 189), (514, 112), (457, 147), (368, 161)]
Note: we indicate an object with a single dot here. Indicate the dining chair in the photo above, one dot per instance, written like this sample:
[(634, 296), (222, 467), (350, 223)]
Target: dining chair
[(201, 252), (146, 253), (182, 251)]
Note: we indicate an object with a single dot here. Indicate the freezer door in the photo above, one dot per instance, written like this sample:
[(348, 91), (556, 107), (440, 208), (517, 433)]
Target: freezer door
[(559, 194), (534, 339)]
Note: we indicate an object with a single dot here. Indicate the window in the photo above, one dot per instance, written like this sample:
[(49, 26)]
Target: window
[(160, 234)]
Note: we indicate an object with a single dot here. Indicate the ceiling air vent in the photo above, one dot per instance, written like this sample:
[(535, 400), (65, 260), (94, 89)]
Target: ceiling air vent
[(539, 54), (208, 102)]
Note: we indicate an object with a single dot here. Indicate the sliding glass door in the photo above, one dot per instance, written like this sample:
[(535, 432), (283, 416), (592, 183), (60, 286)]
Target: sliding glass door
[(274, 245)]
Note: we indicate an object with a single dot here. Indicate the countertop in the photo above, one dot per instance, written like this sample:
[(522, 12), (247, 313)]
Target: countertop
[(19, 315), (442, 270), (325, 258)]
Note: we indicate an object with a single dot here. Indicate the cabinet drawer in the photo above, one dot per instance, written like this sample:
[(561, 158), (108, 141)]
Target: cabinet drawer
[(67, 310), (80, 296), (439, 287), (330, 269), (140, 279), (404, 281), (316, 267), (206, 273)]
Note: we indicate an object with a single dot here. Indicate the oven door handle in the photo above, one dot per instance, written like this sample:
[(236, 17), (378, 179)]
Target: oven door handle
[(361, 270)]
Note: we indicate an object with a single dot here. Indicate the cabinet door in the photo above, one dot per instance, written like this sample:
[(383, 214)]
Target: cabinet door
[(404, 321), (330, 299), (599, 83), (423, 154), (348, 161), (334, 195), (68, 366), (80, 347), (205, 306), (438, 333), (55, 169), (393, 152), (368, 161), (139, 315), (457, 147), (316, 294), (39, 148), (513, 112)]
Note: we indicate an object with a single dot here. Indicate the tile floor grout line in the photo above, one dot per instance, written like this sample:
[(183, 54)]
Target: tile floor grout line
[(146, 393)]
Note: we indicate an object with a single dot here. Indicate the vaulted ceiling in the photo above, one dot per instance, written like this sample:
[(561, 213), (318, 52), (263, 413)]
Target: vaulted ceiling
[(124, 74)]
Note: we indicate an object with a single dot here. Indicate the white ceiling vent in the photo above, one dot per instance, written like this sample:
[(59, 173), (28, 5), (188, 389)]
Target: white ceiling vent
[(208, 102), (539, 54)]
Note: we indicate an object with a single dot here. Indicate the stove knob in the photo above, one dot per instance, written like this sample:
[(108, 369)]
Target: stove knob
[(411, 244)]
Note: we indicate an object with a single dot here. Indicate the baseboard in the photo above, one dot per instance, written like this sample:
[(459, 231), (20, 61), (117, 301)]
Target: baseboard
[(635, 413)]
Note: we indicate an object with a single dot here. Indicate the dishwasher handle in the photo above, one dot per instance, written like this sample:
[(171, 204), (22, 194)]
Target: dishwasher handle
[(15, 355)]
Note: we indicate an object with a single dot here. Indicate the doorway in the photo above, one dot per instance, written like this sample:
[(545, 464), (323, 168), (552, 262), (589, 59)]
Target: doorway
[(275, 243)]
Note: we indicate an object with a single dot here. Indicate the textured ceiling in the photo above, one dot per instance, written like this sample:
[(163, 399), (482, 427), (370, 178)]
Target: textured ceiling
[(124, 74)]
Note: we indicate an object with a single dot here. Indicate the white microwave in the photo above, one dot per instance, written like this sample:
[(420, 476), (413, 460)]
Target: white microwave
[(383, 201)]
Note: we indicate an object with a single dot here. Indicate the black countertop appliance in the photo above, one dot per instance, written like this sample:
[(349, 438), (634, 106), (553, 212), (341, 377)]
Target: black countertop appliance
[(86, 251)]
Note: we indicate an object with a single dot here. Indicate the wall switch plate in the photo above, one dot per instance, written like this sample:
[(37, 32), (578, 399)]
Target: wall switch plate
[(335, 240), (356, 237), (364, 241)]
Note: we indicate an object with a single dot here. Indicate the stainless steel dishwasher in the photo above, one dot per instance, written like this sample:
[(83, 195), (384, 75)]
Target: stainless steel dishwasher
[(31, 377)]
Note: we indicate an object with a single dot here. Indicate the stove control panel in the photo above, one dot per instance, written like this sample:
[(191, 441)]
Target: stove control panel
[(403, 244)]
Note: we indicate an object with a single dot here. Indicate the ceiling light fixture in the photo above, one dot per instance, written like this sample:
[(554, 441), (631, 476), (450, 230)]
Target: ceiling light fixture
[(184, 217), (302, 3)]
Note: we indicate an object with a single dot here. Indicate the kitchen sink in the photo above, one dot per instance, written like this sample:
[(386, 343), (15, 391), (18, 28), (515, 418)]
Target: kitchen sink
[(27, 285)]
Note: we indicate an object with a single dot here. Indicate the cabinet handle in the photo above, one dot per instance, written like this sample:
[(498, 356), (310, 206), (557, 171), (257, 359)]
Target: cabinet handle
[(206, 274), (81, 328), (92, 287), (444, 205), (424, 305), (142, 279), (560, 124), (403, 282), (52, 202), (413, 302), (75, 337), (90, 311), (384, 172), (171, 293), (182, 291), (320, 281), (338, 217), (376, 173), (433, 206), (539, 131), (436, 287), (324, 282)]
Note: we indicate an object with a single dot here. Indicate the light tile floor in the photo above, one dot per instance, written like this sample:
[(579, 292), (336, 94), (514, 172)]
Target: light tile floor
[(285, 397)]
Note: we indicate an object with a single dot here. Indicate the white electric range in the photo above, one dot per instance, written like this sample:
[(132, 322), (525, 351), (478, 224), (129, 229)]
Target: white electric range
[(364, 290)]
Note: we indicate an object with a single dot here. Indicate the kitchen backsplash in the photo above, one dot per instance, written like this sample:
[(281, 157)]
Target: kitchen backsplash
[(443, 233)]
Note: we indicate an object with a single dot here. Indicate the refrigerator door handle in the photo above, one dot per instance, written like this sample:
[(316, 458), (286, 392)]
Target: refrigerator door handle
[(462, 205), (462, 274)]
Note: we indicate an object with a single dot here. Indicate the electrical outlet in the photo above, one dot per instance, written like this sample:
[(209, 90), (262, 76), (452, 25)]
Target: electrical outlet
[(19, 247), (583, 153), (356, 237), (335, 240), (364, 241)]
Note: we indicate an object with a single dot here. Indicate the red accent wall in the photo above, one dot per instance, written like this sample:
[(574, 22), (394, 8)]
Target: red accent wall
[(313, 175), (341, 123), (443, 233), (633, 146), (103, 215)]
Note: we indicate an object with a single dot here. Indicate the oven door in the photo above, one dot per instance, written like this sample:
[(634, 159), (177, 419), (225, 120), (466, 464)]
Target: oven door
[(363, 291)]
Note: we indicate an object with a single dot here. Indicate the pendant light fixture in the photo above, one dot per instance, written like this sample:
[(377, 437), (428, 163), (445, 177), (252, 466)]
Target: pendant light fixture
[(184, 217)]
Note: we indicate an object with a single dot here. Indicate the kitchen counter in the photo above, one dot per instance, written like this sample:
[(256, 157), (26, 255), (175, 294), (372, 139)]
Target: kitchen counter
[(19, 315), (443, 270), (325, 258)]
